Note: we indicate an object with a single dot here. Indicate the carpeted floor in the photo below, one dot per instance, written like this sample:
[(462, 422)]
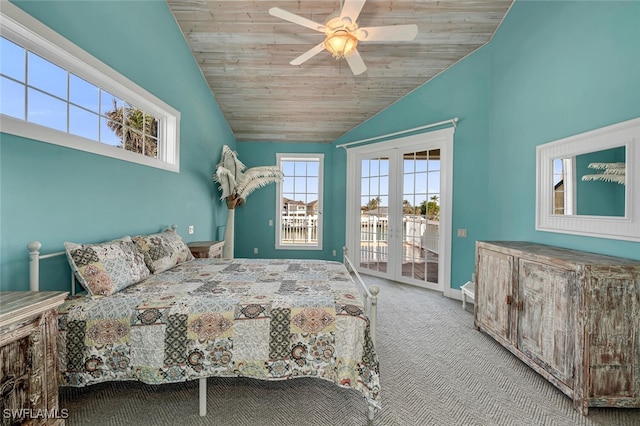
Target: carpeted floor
[(436, 370)]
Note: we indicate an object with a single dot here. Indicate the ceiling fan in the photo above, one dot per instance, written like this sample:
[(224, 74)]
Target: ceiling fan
[(342, 34)]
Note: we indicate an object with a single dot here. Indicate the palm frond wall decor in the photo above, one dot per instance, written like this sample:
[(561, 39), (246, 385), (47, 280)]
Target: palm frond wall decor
[(236, 183), (611, 172)]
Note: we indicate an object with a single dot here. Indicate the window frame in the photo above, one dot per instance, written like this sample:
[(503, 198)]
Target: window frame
[(26, 31), (280, 157)]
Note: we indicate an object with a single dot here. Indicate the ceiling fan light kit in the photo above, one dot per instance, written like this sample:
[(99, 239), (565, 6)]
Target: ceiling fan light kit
[(340, 39), (342, 34), (340, 43)]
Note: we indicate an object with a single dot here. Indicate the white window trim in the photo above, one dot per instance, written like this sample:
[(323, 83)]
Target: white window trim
[(625, 133), (569, 166), (318, 246), (442, 139), (33, 35)]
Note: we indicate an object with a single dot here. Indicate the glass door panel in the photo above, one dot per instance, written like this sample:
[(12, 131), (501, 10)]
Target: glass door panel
[(420, 215), (374, 213), (398, 214)]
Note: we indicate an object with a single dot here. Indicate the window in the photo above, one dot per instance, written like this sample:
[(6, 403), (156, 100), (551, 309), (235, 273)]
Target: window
[(299, 202), (563, 186), (51, 90)]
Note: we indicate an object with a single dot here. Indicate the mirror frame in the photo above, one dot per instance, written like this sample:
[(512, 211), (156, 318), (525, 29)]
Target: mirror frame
[(627, 227)]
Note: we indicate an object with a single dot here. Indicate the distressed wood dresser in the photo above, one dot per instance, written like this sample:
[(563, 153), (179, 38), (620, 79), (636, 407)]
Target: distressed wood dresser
[(572, 316), (28, 358)]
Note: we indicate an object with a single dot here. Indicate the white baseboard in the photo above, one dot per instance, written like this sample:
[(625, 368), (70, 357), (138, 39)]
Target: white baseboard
[(456, 294)]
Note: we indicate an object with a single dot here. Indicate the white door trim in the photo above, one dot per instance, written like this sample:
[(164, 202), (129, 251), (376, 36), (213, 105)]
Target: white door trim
[(442, 139)]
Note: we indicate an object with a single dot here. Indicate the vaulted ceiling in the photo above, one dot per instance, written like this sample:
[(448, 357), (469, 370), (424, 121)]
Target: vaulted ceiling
[(244, 54)]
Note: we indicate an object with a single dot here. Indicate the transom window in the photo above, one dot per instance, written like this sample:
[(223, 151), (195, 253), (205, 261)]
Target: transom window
[(67, 97), (299, 215)]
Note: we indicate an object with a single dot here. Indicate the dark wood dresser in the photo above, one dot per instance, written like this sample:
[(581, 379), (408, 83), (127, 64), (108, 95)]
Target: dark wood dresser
[(29, 358)]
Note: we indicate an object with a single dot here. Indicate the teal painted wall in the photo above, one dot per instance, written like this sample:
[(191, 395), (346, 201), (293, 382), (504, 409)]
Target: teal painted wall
[(462, 91), (55, 194), (552, 70), (457, 94), (252, 220), (557, 69)]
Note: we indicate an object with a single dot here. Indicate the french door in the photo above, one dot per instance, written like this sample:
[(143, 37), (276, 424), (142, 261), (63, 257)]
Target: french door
[(398, 214)]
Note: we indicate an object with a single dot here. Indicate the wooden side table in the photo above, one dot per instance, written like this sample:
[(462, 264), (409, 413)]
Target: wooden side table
[(201, 249), (29, 354)]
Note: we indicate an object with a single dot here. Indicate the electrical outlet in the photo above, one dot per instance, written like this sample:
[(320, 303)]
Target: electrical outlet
[(191, 229), (462, 233), (255, 250), (270, 222), (334, 253)]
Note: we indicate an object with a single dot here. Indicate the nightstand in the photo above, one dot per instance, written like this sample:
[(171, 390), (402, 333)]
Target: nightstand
[(201, 249), (29, 354)]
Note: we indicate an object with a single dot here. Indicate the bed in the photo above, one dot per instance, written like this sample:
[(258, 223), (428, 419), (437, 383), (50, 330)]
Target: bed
[(268, 319)]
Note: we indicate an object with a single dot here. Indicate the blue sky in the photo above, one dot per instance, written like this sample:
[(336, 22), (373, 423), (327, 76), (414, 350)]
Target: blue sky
[(36, 90), (421, 180)]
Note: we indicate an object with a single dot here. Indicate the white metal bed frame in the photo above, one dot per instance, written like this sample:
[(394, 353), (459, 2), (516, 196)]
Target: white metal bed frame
[(370, 295)]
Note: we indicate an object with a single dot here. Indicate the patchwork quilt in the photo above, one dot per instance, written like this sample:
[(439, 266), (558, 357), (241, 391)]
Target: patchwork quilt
[(269, 319)]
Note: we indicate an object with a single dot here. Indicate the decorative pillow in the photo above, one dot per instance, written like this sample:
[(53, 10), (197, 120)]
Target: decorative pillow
[(106, 268), (163, 250)]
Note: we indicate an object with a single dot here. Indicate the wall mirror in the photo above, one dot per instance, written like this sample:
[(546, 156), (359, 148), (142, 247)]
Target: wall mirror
[(586, 183)]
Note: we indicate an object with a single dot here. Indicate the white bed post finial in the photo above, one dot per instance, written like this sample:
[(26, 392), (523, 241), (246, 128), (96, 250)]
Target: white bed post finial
[(34, 265)]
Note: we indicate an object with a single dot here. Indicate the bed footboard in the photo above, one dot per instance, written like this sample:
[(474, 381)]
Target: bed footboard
[(370, 294)]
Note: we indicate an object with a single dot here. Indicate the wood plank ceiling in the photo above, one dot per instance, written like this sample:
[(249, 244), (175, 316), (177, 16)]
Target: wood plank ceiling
[(244, 54)]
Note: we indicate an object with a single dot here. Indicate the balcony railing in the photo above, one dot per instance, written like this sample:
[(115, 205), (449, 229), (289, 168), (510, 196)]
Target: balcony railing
[(297, 229), (417, 231)]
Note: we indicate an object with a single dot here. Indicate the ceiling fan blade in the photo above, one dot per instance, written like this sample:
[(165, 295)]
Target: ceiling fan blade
[(291, 17), (351, 9), (308, 54), (388, 33), (355, 62)]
